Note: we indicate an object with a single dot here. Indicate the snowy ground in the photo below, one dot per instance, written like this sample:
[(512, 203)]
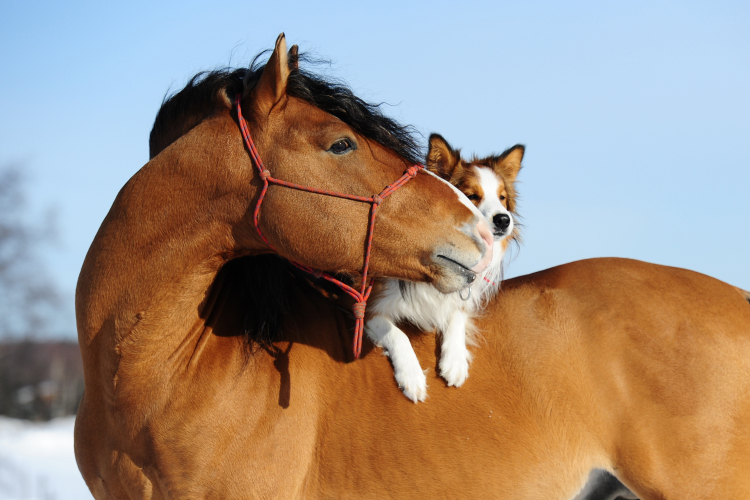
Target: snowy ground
[(37, 461)]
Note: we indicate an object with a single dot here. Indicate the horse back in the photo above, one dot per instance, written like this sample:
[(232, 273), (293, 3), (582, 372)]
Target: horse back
[(652, 362)]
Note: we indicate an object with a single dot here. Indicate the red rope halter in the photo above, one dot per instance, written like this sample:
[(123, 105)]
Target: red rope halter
[(359, 296)]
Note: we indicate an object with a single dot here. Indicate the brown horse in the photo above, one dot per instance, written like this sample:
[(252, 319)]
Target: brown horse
[(613, 364)]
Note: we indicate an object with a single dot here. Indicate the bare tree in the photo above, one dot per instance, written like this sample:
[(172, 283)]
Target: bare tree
[(29, 302), (39, 380)]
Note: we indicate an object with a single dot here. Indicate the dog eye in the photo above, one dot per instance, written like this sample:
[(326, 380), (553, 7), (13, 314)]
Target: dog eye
[(341, 146), (502, 198), (473, 197)]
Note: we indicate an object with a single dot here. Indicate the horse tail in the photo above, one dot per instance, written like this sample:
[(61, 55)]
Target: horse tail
[(744, 293)]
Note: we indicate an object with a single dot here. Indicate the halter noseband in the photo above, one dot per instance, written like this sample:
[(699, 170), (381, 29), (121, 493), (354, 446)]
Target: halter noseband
[(359, 296)]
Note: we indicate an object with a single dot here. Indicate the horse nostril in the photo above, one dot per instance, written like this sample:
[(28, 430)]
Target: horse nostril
[(501, 221)]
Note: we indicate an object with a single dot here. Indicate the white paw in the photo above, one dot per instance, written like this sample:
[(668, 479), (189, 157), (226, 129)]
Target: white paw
[(412, 381), (454, 365)]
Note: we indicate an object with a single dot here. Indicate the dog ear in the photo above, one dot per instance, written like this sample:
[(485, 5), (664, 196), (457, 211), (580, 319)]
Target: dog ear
[(272, 85), (508, 164), (442, 159)]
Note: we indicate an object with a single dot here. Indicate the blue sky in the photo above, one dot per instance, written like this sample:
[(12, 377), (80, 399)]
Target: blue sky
[(636, 115)]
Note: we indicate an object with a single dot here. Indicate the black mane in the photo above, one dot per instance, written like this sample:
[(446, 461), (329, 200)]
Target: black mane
[(181, 112), (204, 95), (205, 92)]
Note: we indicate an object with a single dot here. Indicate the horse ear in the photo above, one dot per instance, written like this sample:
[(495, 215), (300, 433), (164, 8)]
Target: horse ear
[(442, 159), (272, 85), (508, 164), (294, 58)]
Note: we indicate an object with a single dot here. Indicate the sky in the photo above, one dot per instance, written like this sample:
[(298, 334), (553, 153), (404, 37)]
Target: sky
[(635, 115)]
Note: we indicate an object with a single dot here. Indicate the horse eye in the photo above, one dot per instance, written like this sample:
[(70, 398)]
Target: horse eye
[(341, 146)]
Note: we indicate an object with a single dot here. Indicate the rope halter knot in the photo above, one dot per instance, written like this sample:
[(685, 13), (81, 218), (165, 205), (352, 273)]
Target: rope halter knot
[(359, 309), (363, 294)]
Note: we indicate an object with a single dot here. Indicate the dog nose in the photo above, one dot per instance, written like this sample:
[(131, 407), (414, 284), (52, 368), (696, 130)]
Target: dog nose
[(501, 222)]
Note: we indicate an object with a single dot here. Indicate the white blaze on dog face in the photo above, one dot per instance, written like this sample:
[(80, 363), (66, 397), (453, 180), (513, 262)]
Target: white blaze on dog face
[(494, 201), (486, 190)]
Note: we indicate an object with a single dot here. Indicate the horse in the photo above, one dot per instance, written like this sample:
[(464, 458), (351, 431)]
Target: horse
[(186, 213), (216, 369)]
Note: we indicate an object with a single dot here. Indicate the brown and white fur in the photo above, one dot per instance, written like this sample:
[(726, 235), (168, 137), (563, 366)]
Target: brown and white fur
[(489, 184)]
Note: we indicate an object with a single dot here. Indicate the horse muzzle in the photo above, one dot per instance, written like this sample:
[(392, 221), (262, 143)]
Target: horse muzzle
[(458, 268)]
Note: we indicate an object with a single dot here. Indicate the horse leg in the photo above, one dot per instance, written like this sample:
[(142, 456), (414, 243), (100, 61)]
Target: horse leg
[(406, 368), (604, 486), (454, 356)]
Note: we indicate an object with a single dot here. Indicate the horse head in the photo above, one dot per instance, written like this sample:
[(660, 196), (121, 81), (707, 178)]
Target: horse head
[(426, 231)]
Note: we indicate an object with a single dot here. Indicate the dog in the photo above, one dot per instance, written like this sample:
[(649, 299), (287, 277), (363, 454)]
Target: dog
[(489, 183)]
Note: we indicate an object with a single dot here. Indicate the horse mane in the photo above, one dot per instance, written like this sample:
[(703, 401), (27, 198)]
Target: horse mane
[(205, 94), (182, 111), (207, 91)]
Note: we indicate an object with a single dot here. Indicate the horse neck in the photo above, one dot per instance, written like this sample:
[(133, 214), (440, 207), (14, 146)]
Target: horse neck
[(169, 231)]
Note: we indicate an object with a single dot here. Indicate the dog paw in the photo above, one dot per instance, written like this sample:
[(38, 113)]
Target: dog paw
[(412, 382), (454, 366)]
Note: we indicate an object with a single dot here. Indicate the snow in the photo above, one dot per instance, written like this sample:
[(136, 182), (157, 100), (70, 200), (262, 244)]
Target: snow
[(37, 461)]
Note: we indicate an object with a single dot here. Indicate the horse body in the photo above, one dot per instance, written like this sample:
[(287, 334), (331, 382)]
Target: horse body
[(613, 364), (596, 364)]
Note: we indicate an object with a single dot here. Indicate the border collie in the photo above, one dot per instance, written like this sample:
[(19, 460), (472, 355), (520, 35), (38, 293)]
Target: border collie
[(489, 183)]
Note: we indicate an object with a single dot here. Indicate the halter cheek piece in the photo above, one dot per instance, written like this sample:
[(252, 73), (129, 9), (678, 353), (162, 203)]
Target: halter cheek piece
[(363, 294)]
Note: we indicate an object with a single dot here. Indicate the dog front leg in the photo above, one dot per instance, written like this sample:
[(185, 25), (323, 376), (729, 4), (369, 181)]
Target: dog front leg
[(409, 375), (454, 356)]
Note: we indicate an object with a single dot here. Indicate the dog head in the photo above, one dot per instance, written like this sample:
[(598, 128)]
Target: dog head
[(488, 182)]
